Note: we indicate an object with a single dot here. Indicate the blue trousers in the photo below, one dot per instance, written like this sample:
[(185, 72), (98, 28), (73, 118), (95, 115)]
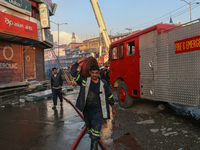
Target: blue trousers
[(56, 93), (93, 121)]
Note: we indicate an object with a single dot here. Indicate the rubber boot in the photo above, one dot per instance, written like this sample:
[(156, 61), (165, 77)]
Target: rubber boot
[(94, 145)]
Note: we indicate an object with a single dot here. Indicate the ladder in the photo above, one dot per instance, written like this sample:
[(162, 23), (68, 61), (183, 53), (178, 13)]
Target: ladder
[(60, 66)]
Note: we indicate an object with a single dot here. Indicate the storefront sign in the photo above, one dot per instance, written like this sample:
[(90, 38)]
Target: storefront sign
[(48, 2), (22, 6), (10, 66), (102, 59), (187, 45), (47, 36), (53, 62), (8, 50), (18, 27), (44, 16)]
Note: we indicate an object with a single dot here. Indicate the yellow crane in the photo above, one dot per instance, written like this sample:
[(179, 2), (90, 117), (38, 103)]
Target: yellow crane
[(102, 27)]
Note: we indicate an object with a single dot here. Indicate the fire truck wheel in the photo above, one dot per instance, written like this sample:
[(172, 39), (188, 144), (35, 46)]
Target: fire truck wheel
[(125, 100)]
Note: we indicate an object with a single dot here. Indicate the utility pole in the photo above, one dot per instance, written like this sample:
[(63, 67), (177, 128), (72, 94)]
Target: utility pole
[(190, 9), (58, 43), (58, 24)]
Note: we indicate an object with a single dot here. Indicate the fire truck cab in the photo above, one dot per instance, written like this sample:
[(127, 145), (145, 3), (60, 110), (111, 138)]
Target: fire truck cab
[(159, 63)]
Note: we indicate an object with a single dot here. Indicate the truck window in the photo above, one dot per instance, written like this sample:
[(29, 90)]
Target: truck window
[(131, 48), (114, 53), (121, 51)]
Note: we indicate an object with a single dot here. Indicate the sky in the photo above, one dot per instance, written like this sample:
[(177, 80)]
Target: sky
[(118, 15)]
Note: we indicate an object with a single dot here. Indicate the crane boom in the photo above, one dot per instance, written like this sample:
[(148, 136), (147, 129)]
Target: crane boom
[(101, 23)]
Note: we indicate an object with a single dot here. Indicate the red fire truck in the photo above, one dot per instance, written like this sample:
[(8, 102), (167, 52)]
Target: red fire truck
[(159, 63)]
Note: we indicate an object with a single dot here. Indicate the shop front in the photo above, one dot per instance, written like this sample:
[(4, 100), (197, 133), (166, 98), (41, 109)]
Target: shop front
[(21, 51)]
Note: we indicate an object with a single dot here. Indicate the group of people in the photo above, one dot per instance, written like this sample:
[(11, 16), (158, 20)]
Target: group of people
[(93, 100)]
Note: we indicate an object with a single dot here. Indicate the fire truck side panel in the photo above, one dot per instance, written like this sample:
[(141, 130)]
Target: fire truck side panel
[(148, 48), (184, 68)]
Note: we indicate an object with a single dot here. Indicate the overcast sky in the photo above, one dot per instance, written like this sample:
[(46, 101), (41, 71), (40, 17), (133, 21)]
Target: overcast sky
[(118, 15)]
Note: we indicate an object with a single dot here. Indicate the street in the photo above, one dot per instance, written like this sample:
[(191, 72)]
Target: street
[(31, 126)]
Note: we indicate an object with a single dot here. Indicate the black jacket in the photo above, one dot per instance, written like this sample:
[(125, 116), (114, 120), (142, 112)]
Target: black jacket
[(106, 96), (106, 77), (56, 81)]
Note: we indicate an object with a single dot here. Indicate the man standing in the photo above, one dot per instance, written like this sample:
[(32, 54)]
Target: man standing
[(56, 86), (93, 100)]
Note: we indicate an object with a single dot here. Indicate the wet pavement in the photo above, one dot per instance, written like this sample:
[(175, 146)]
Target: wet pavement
[(35, 126)]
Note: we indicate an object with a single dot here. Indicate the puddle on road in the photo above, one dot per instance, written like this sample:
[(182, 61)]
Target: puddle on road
[(125, 143), (106, 131)]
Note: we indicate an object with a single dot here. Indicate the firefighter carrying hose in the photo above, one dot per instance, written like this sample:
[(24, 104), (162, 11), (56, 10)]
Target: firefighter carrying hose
[(93, 100)]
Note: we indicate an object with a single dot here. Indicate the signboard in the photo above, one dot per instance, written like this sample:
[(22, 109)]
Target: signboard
[(53, 62), (102, 59), (106, 58), (22, 6), (44, 16), (18, 27), (48, 2), (47, 36), (187, 45)]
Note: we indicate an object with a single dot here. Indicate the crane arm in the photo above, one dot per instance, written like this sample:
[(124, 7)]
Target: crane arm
[(101, 23)]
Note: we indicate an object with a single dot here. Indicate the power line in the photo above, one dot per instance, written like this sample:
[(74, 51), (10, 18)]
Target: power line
[(164, 15), (161, 20)]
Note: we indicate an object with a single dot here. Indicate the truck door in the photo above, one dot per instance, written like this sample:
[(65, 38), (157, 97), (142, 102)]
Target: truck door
[(131, 67), (121, 61), (114, 67)]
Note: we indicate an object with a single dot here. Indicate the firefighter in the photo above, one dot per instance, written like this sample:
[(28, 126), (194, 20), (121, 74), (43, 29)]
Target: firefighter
[(93, 100), (101, 71), (105, 76)]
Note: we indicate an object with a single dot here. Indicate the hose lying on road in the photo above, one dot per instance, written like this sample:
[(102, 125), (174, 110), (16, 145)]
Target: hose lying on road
[(83, 130)]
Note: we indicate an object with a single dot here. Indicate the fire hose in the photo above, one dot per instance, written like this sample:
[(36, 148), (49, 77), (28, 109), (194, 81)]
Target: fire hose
[(83, 130)]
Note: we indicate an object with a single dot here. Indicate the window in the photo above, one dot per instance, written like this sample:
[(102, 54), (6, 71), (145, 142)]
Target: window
[(121, 51), (114, 53), (131, 48)]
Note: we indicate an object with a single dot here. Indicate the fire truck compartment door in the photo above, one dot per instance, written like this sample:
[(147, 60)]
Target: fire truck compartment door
[(148, 48)]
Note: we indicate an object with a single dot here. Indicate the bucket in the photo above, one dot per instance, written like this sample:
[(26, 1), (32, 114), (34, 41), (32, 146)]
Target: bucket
[(84, 66)]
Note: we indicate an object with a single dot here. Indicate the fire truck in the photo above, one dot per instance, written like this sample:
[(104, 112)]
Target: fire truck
[(159, 63)]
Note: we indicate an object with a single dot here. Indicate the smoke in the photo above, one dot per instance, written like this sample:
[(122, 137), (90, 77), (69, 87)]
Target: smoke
[(64, 37)]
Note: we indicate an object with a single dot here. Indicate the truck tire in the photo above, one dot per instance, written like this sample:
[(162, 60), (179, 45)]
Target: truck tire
[(125, 100)]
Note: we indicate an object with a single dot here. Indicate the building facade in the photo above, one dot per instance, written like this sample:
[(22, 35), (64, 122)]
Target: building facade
[(23, 40)]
